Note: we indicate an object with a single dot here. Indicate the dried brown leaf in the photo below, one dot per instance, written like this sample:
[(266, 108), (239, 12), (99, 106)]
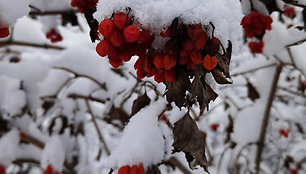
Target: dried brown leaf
[(176, 91), (139, 103), (224, 60), (252, 92), (189, 139), (116, 113), (219, 77)]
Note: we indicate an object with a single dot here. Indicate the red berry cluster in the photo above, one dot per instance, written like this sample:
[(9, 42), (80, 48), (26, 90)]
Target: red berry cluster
[(131, 170), (284, 132), (84, 5), (289, 12), (122, 40), (254, 25), (4, 32), (54, 36), (256, 47), (2, 169), (49, 170)]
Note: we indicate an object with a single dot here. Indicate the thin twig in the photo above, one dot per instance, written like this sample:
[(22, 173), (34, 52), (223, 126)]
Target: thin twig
[(265, 123), (86, 98), (93, 119), (254, 69), (101, 85), (27, 44)]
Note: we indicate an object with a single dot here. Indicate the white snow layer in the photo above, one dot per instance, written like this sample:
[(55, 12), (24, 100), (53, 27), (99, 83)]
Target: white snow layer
[(157, 14), (9, 147), (11, 10), (53, 153), (142, 139)]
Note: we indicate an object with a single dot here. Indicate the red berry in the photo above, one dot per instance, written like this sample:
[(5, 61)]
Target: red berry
[(158, 60), (140, 169), (210, 62), (168, 48), (289, 12), (170, 75), (194, 31), (183, 60), (293, 171), (187, 45), (169, 61), (2, 169), (124, 170), (160, 76), (4, 32), (144, 36), (140, 73), (48, 170), (165, 32), (103, 48), (131, 33), (190, 65), (284, 133), (201, 42), (214, 126), (196, 56), (115, 63), (116, 38), (215, 45), (121, 20), (133, 170), (106, 28), (256, 47)]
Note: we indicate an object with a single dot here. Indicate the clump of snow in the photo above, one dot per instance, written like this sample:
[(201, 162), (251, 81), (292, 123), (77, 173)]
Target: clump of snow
[(11, 10), (12, 99), (9, 147), (53, 153), (142, 140), (155, 15), (51, 5)]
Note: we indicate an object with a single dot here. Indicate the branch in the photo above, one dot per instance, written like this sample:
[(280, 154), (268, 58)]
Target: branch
[(254, 69), (74, 96), (101, 139), (101, 85), (41, 13), (27, 44), (265, 123)]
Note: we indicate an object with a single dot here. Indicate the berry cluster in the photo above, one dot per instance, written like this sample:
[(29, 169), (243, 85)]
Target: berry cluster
[(49, 170), (131, 170), (122, 39), (4, 32), (84, 5), (187, 45), (2, 169), (255, 25), (54, 36), (284, 132)]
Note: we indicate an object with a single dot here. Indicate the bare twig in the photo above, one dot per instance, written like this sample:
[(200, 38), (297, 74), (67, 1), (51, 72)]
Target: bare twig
[(93, 119), (101, 85), (74, 96), (27, 44), (265, 123), (254, 69)]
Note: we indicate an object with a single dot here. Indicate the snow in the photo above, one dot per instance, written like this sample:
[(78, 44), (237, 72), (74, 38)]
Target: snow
[(248, 121), (11, 10), (155, 15), (12, 99), (53, 153), (142, 139), (9, 147)]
